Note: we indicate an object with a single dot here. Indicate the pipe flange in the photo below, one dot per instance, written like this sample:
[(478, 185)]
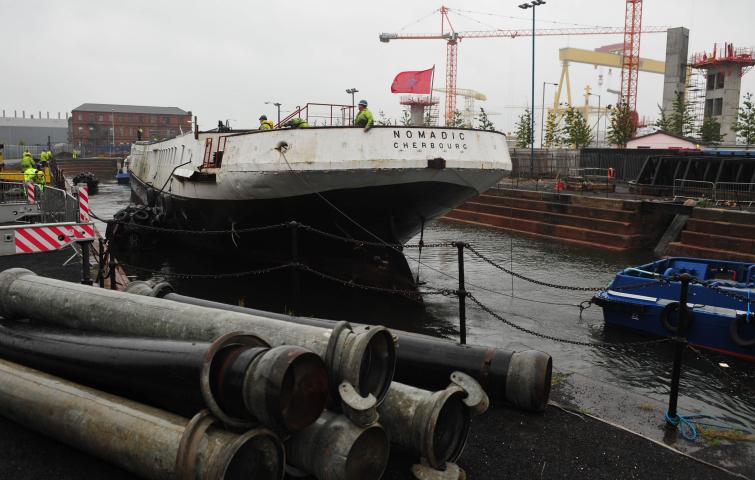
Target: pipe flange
[(231, 338), (161, 289), (186, 456), (477, 400), (219, 468), (330, 351), (451, 472), (360, 410)]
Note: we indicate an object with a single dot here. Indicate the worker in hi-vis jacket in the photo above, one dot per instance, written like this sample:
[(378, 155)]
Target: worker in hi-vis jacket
[(364, 117)]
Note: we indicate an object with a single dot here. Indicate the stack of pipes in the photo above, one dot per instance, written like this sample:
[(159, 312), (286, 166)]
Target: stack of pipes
[(265, 393)]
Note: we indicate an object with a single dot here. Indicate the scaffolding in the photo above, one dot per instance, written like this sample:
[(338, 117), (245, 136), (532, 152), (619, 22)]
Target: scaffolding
[(695, 95)]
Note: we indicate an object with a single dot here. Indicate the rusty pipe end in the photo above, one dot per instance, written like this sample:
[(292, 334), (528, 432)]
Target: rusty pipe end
[(7, 277), (257, 454), (368, 456), (369, 360), (447, 422), (286, 388), (528, 382), (335, 448)]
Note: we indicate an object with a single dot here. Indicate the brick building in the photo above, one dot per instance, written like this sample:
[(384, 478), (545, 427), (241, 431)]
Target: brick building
[(91, 125)]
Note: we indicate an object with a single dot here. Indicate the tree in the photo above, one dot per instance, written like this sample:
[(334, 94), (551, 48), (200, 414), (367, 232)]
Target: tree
[(577, 130), (553, 131), (622, 126), (524, 129), (457, 120), (484, 121), (745, 125), (428, 117), (681, 121), (406, 119), (710, 132), (663, 123), (382, 119)]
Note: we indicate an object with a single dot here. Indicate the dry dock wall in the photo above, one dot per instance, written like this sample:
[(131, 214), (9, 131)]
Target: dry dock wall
[(606, 223)]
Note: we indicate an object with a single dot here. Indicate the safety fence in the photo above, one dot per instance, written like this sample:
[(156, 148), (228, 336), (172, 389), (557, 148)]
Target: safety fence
[(549, 163), (12, 192), (55, 205), (719, 192), (16, 151)]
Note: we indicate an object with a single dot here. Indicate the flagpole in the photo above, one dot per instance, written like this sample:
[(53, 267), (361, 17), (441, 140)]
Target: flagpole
[(432, 83)]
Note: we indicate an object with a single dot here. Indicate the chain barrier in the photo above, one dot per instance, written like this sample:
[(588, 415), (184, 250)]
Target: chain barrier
[(199, 232), (661, 281), (371, 243), (208, 276), (606, 345), (726, 293), (406, 293)]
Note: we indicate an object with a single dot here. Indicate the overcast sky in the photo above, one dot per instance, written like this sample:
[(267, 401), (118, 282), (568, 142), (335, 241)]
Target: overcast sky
[(223, 60)]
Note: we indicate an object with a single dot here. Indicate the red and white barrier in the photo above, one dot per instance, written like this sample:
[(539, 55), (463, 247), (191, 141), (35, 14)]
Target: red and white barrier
[(84, 216), (51, 237), (31, 192)]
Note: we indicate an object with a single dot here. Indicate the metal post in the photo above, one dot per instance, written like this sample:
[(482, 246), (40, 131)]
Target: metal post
[(101, 263), (680, 344), (111, 267), (532, 103), (85, 274), (295, 280), (462, 294)]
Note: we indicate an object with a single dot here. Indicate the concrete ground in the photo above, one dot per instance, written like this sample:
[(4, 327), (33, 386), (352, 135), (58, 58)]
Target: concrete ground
[(504, 443)]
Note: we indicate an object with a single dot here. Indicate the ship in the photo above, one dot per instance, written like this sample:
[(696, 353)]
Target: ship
[(720, 303), (344, 184)]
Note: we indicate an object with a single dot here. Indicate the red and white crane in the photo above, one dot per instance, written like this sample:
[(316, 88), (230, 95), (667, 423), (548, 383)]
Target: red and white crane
[(631, 31)]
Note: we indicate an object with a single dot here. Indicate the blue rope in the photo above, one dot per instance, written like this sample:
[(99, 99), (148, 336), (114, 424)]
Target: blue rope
[(683, 424), (687, 425)]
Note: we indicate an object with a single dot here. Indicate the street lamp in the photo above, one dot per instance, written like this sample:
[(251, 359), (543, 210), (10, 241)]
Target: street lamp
[(278, 106), (525, 6), (597, 124), (542, 112), (112, 125), (352, 91)]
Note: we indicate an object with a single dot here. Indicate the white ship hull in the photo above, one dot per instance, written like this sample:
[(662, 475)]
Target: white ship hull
[(390, 180)]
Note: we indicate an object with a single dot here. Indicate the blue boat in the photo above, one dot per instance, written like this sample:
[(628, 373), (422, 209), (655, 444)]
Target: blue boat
[(721, 302)]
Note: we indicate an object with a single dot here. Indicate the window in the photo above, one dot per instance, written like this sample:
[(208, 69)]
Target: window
[(99, 118), (81, 117), (720, 80), (711, 83), (708, 107), (718, 106)]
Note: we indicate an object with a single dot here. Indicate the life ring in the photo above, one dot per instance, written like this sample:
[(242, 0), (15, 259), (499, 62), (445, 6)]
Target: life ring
[(734, 332), (668, 309), (141, 216), (120, 215)]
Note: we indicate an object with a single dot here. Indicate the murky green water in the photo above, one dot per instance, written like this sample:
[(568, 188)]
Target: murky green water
[(643, 370)]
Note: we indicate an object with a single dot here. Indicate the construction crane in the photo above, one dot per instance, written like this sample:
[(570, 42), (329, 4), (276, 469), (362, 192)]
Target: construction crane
[(469, 97), (452, 38), (630, 63)]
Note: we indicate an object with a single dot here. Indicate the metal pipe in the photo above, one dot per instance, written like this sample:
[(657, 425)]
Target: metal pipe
[(238, 377), (523, 379), (433, 425), (144, 440), (353, 452), (364, 356)]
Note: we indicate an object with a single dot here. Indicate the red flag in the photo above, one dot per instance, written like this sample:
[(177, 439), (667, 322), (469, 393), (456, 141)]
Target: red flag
[(413, 82)]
